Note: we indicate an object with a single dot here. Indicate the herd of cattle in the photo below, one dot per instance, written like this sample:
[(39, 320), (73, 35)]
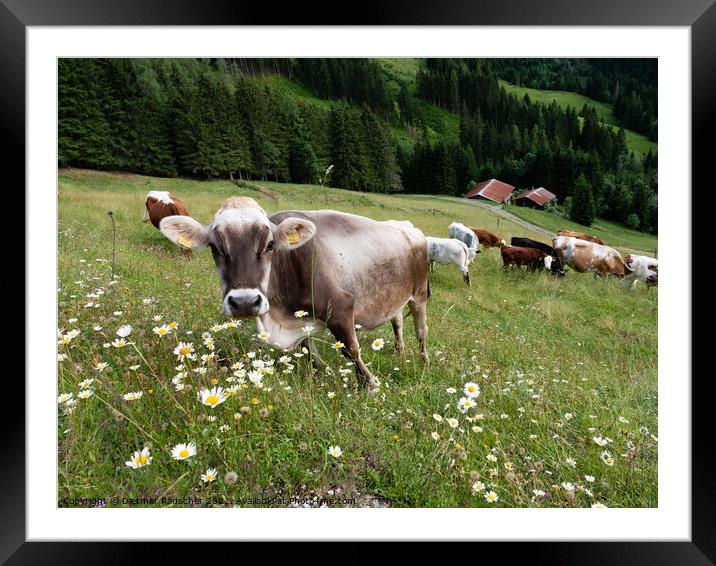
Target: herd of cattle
[(349, 271)]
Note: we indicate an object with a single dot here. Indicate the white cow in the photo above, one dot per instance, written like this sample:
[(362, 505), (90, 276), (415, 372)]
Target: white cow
[(641, 268), (464, 234), (449, 250)]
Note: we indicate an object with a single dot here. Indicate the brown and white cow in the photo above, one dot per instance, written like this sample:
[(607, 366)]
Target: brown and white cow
[(534, 259), (641, 268), (159, 205), (580, 236), (344, 270), (585, 257), (487, 239)]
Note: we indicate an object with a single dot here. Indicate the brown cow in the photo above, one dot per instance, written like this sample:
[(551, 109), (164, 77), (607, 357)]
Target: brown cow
[(581, 236), (159, 205), (487, 239), (588, 257), (344, 270), (534, 259)]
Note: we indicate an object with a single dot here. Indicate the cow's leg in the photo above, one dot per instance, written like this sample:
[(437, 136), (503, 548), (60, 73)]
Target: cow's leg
[(344, 331), (397, 322), (419, 309)]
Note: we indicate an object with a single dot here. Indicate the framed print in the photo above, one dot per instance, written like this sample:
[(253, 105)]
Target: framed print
[(224, 213)]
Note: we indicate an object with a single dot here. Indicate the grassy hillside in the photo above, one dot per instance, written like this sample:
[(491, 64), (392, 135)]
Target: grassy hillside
[(638, 143), (558, 362)]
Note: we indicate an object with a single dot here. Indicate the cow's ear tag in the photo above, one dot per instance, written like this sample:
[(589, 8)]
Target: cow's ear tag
[(182, 240), (293, 237)]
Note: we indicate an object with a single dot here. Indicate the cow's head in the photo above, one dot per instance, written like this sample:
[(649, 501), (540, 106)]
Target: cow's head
[(548, 262), (242, 240)]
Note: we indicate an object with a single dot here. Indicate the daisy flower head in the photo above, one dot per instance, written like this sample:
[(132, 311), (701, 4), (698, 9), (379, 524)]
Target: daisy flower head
[(453, 422), (120, 343), (435, 435), (599, 441), (263, 336), (85, 394), (139, 459), (64, 397), (607, 458), (300, 314), (133, 395), (183, 451), (184, 350), (162, 330), (437, 417), (464, 404), (212, 397), (478, 487), (338, 345), (491, 497), (209, 475), (335, 451), (472, 390), (124, 331), (599, 506), (378, 344)]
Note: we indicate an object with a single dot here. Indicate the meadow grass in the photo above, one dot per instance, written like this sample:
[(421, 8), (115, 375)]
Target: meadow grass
[(558, 363)]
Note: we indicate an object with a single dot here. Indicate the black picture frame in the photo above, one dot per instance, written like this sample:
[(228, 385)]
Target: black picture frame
[(699, 15)]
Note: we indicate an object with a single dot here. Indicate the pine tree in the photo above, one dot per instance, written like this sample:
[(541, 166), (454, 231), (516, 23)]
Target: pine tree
[(583, 208)]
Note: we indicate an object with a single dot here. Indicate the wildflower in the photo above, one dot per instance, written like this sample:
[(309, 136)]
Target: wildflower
[(437, 417), (173, 325), (571, 462), (124, 331), (338, 345), (64, 397), (464, 404), (133, 396), (300, 314), (568, 486), (135, 367), (231, 477), (85, 394), (538, 493), (335, 451), (209, 475), (101, 366), (607, 458), (491, 497), (450, 390), (162, 330), (183, 451), (478, 487), (472, 390), (184, 350), (263, 336), (435, 435), (119, 343), (600, 441), (212, 397), (453, 422), (590, 479), (139, 459), (331, 394), (599, 506), (86, 383), (491, 457), (378, 344)]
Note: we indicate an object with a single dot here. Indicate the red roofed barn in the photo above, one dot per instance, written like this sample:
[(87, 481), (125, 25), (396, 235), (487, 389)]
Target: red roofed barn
[(492, 190), (535, 198)]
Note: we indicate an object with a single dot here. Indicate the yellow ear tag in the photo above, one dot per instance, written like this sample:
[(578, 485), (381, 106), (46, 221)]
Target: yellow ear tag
[(182, 240), (293, 237)]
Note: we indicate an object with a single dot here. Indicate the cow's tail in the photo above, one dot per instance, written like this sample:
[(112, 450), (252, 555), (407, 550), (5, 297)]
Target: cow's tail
[(428, 288), (146, 214)]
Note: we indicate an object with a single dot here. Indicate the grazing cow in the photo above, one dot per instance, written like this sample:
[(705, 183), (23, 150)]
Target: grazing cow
[(641, 268), (449, 250), (464, 234), (557, 268), (532, 258), (583, 256), (487, 239), (344, 270), (580, 236), (159, 205)]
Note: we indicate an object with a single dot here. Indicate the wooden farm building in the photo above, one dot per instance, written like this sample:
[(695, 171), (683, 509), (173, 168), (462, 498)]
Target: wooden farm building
[(493, 190), (535, 198)]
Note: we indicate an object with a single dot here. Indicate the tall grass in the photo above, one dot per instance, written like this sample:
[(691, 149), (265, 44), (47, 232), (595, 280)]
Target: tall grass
[(558, 362)]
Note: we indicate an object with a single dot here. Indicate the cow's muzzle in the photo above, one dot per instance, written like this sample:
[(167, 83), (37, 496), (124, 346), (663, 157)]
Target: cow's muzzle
[(244, 303)]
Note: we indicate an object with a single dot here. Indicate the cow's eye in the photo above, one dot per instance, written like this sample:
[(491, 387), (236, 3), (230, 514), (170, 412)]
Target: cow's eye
[(269, 247)]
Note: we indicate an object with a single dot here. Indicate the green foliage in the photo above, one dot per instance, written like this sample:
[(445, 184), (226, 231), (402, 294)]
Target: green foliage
[(583, 209)]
